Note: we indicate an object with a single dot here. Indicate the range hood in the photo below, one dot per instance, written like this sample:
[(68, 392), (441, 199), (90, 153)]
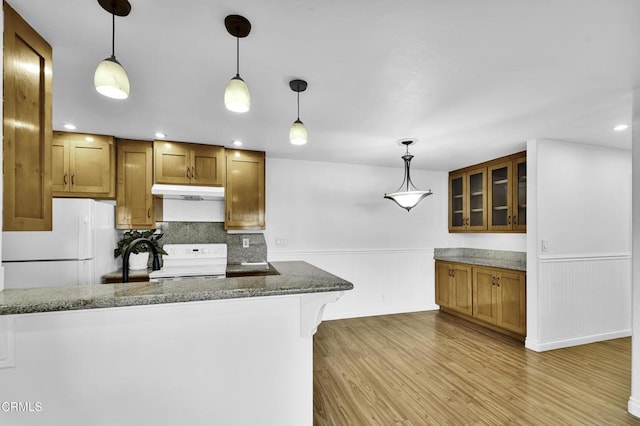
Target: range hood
[(188, 192)]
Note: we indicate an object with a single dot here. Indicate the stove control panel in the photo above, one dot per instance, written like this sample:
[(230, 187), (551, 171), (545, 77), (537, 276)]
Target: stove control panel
[(195, 251)]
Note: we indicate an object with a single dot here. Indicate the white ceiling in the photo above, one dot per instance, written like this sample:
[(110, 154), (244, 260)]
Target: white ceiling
[(469, 79)]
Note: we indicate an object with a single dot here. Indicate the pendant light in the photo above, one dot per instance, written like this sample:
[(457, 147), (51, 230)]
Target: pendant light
[(410, 196), (110, 78), (236, 93), (298, 133)]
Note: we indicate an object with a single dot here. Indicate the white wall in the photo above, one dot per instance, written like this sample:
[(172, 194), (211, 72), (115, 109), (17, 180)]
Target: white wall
[(579, 198), (333, 216), (634, 399)]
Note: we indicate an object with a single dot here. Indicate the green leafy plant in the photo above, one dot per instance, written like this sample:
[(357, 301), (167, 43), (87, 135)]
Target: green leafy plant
[(130, 236)]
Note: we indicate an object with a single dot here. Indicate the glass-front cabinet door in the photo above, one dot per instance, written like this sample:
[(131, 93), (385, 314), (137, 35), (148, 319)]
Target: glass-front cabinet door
[(477, 211), (457, 204), (500, 193), (520, 194)]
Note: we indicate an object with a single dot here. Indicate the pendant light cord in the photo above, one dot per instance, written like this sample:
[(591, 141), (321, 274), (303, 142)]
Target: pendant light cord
[(238, 56), (298, 104), (113, 34)]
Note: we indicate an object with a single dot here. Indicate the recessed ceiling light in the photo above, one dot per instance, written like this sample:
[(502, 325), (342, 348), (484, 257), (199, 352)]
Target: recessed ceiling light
[(69, 126), (160, 135), (621, 127), (237, 143)]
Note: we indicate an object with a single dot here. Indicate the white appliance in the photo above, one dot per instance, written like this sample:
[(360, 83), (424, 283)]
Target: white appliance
[(192, 261), (78, 251)]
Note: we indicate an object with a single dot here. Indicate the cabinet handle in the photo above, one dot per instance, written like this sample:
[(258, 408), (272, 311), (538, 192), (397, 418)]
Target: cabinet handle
[(229, 215), (193, 172), (188, 173), (449, 272), (73, 178), (453, 272), (149, 212), (509, 220), (493, 280), (64, 179), (515, 219), (498, 281)]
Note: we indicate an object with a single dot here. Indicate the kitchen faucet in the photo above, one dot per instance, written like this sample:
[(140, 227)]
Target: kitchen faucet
[(127, 253)]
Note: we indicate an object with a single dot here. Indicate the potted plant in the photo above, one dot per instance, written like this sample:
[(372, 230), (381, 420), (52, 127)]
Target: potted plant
[(139, 257)]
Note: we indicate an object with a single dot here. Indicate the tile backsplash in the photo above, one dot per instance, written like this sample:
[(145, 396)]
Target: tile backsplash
[(212, 233)]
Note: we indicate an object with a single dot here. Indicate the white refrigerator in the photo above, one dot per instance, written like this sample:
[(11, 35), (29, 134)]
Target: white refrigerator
[(77, 252)]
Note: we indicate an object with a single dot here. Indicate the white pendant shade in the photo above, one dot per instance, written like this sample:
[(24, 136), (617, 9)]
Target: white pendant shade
[(407, 199), (111, 79), (236, 95), (298, 133)]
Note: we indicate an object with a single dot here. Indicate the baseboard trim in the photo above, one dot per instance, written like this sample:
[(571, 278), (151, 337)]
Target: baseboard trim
[(538, 346), (634, 406), (377, 312)]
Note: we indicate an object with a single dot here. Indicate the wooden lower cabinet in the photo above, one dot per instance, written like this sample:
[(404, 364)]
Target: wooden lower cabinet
[(498, 296), (453, 287)]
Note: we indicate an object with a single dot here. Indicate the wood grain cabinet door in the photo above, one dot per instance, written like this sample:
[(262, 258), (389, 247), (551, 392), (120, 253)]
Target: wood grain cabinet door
[(172, 162), (27, 93), (511, 302), (90, 165), (134, 202), (443, 276), (245, 190), (485, 294), (462, 300), (208, 165), (59, 166)]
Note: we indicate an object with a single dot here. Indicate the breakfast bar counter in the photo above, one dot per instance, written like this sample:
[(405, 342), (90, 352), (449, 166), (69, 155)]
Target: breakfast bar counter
[(228, 351), (291, 278)]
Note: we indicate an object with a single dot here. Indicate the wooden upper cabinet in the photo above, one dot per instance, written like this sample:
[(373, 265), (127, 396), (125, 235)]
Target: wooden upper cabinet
[(135, 206), (27, 82), (489, 197), (519, 200), (245, 190), (468, 200), (83, 165), (188, 163)]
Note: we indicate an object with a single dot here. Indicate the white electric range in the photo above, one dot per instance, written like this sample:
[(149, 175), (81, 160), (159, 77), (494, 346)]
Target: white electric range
[(192, 261)]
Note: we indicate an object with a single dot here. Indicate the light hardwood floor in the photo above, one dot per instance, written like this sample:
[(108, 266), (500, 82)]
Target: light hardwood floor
[(432, 368)]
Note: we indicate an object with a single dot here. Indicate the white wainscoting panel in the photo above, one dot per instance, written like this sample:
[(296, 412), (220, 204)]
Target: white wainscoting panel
[(7, 350), (582, 299), (386, 281)]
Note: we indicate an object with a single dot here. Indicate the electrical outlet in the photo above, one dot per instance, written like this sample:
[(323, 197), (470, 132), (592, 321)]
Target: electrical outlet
[(281, 242), (245, 243), (545, 245)]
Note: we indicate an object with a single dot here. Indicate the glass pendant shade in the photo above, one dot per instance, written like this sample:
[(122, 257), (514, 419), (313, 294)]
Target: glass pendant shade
[(111, 79), (407, 196), (236, 95), (298, 133)]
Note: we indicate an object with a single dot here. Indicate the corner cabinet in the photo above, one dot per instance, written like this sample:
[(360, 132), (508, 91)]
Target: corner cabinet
[(492, 297), (245, 190), (489, 197), (189, 163), (27, 82), (83, 165), (136, 208)]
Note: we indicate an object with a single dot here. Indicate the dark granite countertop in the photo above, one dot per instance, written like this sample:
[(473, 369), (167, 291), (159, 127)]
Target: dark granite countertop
[(293, 278), (515, 260)]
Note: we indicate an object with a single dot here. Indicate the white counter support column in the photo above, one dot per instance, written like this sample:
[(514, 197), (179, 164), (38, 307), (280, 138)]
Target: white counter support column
[(634, 399)]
